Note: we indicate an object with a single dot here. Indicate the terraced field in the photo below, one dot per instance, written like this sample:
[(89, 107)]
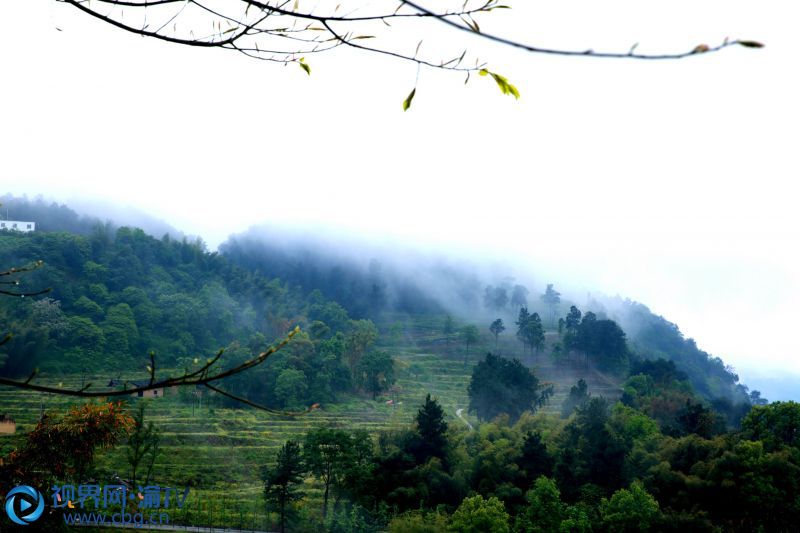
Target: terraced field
[(218, 452)]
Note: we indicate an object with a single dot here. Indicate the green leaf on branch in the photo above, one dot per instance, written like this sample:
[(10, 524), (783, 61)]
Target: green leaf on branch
[(304, 65), (751, 44), (505, 86), (407, 101)]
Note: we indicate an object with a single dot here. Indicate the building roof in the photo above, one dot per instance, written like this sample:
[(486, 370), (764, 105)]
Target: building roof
[(133, 383)]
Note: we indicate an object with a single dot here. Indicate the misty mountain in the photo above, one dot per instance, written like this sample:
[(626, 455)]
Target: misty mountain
[(368, 279), (83, 217), (284, 274), (378, 280)]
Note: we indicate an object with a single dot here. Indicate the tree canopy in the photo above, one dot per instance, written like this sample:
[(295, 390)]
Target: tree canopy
[(504, 386)]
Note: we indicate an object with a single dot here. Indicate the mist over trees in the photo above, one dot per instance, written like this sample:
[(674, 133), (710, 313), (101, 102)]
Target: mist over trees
[(83, 218), (262, 285), (686, 447), (530, 330), (496, 328), (343, 273), (118, 296), (551, 299)]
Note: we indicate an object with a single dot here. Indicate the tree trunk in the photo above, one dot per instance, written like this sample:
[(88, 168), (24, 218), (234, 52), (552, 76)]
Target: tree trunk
[(283, 515), (337, 501), (325, 501)]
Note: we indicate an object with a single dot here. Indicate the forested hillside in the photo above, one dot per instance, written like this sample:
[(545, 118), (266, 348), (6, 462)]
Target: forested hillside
[(593, 416), (370, 283), (119, 294)]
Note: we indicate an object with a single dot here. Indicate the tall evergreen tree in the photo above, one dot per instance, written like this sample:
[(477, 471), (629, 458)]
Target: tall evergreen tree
[(281, 482), (551, 299), (573, 319), (535, 460), (571, 323), (432, 430), (522, 323)]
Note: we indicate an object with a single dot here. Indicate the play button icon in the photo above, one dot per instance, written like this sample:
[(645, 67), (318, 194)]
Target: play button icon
[(24, 505)]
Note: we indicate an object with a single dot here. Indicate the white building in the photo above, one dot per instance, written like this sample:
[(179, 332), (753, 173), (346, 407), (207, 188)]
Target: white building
[(17, 225)]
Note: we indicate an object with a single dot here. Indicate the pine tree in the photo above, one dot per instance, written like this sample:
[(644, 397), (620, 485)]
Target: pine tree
[(281, 481), (522, 322), (432, 430)]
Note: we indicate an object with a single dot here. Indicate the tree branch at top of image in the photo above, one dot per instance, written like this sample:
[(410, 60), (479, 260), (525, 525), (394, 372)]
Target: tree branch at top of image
[(283, 31)]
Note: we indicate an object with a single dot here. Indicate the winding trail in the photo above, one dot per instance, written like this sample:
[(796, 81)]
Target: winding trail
[(458, 414)]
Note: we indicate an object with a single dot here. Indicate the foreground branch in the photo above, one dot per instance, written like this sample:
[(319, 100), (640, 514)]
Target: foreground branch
[(15, 283), (202, 376), (284, 33)]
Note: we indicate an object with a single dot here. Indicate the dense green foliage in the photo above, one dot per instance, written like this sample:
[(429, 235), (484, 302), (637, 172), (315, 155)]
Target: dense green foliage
[(654, 337), (607, 468), (504, 386), (119, 296), (476, 515), (682, 449), (370, 289)]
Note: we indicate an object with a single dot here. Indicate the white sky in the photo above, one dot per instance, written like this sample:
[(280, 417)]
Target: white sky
[(673, 183)]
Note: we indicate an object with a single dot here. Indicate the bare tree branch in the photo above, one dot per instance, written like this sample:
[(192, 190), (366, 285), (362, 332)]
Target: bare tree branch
[(630, 54), (202, 376), (20, 270), (291, 24)]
